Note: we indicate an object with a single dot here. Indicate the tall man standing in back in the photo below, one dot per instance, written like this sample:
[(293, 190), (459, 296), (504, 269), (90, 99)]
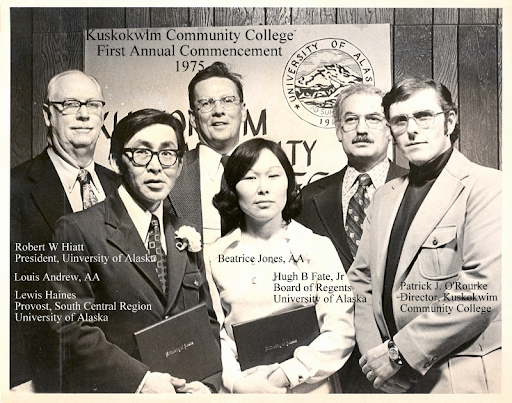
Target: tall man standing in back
[(61, 180), (429, 277), (329, 202), (216, 112)]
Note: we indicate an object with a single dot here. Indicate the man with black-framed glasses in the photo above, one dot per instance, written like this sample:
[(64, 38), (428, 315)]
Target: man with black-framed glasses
[(62, 179), (428, 270), (133, 254), (217, 110)]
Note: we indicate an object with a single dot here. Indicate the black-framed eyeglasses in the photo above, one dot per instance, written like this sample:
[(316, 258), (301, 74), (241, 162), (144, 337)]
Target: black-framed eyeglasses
[(70, 106), (373, 120), (142, 156), (424, 119), (228, 102)]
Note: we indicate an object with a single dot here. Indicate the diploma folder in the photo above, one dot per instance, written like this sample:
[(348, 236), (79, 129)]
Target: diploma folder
[(274, 338), (183, 345)]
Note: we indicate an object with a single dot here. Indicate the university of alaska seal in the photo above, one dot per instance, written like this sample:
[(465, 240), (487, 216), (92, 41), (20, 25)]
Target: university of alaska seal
[(318, 72)]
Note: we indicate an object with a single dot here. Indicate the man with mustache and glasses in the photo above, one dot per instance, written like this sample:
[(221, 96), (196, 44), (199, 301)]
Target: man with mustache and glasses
[(61, 180), (329, 202), (428, 270)]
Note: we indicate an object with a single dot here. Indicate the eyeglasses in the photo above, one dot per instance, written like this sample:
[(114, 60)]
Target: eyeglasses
[(141, 157), (423, 119), (228, 102), (70, 106), (350, 122)]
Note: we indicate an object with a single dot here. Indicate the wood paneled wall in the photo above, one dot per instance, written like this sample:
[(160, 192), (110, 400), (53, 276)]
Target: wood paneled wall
[(459, 47)]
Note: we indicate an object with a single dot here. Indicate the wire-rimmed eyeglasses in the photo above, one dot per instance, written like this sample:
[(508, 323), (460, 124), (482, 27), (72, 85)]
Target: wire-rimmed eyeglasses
[(424, 119), (228, 102), (350, 121)]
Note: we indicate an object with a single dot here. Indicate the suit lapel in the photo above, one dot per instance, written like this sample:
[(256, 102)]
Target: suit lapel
[(328, 204), (48, 194), (108, 184), (126, 239), (395, 171), (385, 218), (438, 201), (185, 197), (176, 260)]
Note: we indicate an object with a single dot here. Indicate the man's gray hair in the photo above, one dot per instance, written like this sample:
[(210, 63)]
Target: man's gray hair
[(352, 90), (54, 79)]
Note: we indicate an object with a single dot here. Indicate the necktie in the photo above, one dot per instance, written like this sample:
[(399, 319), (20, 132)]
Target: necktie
[(357, 212), (224, 160), (223, 227), (88, 196), (155, 249)]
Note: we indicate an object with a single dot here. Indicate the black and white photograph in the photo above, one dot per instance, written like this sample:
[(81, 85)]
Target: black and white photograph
[(290, 198)]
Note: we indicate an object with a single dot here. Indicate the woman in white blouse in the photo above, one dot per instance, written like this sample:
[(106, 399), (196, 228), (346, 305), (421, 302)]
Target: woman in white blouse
[(266, 252)]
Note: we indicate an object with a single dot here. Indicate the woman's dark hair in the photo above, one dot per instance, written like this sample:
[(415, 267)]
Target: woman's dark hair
[(241, 161), (134, 122)]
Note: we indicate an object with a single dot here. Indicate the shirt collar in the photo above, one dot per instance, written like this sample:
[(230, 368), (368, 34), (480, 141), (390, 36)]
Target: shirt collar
[(377, 174), (210, 160), (68, 173), (292, 231), (141, 218)]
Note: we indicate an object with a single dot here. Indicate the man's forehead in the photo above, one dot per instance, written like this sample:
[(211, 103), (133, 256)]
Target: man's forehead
[(362, 103), (214, 85), (72, 84), (423, 99), (156, 136)]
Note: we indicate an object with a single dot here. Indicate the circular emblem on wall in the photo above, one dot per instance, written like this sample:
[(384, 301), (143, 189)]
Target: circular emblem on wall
[(318, 72)]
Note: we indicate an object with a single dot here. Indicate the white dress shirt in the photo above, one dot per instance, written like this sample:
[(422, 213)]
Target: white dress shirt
[(378, 175), (142, 218), (210, 170), (68, 175)]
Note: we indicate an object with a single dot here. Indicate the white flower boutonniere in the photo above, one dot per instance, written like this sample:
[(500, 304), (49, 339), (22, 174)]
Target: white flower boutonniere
[(188, 237)]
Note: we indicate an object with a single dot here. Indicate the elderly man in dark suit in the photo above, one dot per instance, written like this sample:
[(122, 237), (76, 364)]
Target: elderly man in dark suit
[(61, 180), (112, 242), (428, 271), (216, 112)]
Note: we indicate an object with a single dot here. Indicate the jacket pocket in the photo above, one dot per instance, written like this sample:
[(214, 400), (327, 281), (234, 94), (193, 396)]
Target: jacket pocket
[(440, 257), (192, 283)]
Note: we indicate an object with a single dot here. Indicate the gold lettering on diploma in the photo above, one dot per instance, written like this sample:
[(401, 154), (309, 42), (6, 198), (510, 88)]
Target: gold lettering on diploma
[(285, 343), (179, 349)]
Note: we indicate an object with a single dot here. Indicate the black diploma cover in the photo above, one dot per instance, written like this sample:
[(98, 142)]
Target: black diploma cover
[(274, 338), (182, 346)]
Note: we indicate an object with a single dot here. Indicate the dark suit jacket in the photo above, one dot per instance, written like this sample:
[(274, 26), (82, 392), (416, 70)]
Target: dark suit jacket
[(323, 214), (102, 356), (185, 197), (37, 201)]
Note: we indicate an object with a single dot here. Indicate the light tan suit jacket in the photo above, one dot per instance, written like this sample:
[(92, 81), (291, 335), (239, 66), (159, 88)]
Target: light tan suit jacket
[(451, 256)]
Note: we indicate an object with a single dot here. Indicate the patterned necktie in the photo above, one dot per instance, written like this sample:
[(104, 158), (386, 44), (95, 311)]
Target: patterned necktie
[(88, 197), (357, 212), (155, 249)]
